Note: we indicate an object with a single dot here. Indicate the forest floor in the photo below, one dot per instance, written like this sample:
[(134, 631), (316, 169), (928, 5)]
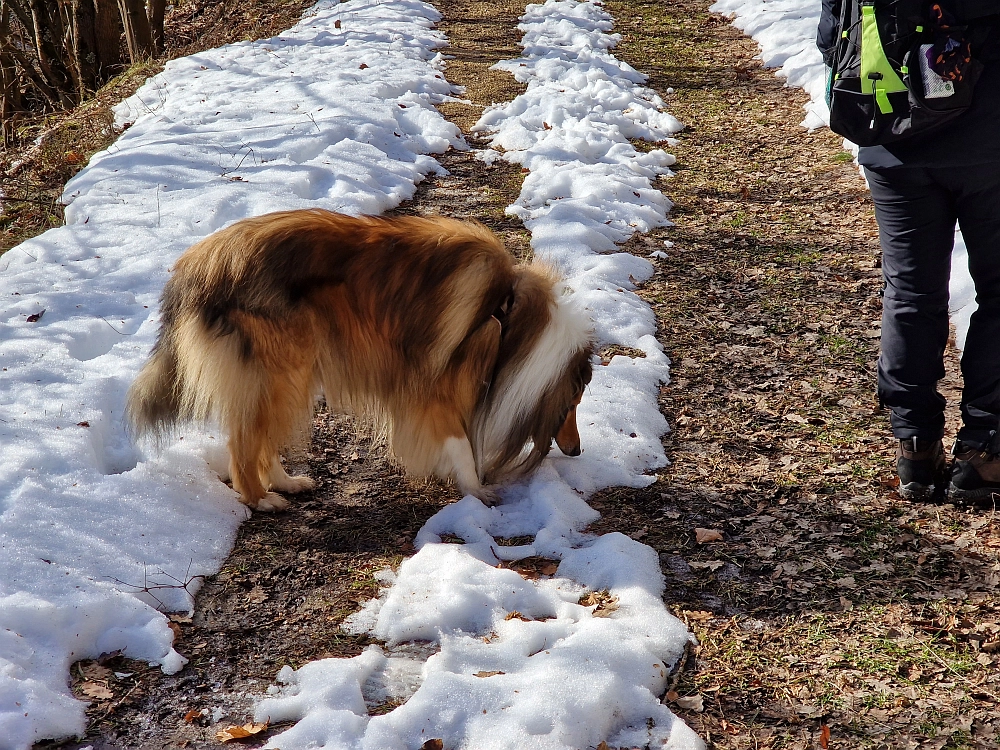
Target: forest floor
[(831, 613)]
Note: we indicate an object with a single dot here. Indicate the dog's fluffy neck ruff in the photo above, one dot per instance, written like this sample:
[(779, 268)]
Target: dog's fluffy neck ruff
[(505, 424)]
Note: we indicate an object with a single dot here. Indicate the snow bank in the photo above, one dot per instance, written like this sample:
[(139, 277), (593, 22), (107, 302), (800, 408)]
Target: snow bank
[(518, 662), (95, 535), (786, 32), (588, 189), (521, 663)]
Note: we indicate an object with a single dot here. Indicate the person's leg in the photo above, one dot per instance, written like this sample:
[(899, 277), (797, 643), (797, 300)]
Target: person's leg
[(978, 206), (975, 476), (916, 218)]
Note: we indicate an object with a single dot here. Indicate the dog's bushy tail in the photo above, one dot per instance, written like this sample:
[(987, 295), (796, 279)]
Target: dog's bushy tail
[(153, 405)]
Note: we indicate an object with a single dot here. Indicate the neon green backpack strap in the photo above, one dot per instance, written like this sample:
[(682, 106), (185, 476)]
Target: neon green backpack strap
[(877, 74)]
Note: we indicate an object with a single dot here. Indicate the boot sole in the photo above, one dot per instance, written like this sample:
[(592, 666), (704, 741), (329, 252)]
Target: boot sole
[(916, 491), (982, 493)]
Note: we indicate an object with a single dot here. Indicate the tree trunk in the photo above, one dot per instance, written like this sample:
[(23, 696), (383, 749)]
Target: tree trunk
[(10, 94), (72, 57), (49, 60), (26, 71), (155, 10), (137, 33), (108, 39)]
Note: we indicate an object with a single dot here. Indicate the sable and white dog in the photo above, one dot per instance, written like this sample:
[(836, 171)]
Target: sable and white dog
[(469, 364)]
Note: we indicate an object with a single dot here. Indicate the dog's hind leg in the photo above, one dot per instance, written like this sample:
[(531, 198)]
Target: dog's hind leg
[(273, 406), (249, 461), (279, 479), (251, 447)]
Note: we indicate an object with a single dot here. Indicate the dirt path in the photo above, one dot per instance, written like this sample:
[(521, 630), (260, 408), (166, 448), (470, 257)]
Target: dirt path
[(829, 602)]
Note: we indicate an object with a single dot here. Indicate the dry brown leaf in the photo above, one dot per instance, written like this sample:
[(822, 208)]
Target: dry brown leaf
[(532, 567), (605, 610), (824, 737), (94, 672), (589, 599), (433, 745), (96, 690), (698, 615), (240, 733), (191, 715), (703, 536), (711, 565), (488, 674), (603, 746), (515, 615), (602, 601)]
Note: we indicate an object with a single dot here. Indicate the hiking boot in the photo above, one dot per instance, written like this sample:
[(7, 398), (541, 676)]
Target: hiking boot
[(976, 474), (921, 468)]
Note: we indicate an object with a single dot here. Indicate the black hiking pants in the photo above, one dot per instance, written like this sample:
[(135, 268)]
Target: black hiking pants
[(916, 209)]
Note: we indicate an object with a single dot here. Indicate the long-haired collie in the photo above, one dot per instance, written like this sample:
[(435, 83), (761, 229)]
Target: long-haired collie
[(469, 364)]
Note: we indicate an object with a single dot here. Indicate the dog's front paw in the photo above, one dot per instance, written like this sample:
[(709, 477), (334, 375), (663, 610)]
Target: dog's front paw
[(294, 484), (271, 502)]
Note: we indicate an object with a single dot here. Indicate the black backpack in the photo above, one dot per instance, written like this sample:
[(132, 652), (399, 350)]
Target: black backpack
[(901, 68)]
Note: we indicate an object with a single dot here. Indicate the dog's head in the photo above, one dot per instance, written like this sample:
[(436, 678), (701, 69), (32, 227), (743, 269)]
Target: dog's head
[(543, 366), (568, 435)]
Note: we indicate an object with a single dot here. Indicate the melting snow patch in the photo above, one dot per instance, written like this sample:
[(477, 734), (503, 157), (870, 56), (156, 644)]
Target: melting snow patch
[(786, 33), (518, 662)]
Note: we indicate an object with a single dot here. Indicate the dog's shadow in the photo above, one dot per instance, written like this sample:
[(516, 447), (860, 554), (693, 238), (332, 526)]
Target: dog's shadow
[(293, 576)]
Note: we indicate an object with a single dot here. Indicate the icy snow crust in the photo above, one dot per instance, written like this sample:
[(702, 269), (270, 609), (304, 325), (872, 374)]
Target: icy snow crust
[(786, 32), (519, 663), (88, 519)]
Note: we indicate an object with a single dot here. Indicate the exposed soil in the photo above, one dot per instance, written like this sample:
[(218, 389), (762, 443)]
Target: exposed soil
[(830, 612)]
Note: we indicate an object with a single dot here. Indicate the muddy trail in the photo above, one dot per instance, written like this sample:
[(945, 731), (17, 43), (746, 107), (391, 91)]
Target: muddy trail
[(830, 613)]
